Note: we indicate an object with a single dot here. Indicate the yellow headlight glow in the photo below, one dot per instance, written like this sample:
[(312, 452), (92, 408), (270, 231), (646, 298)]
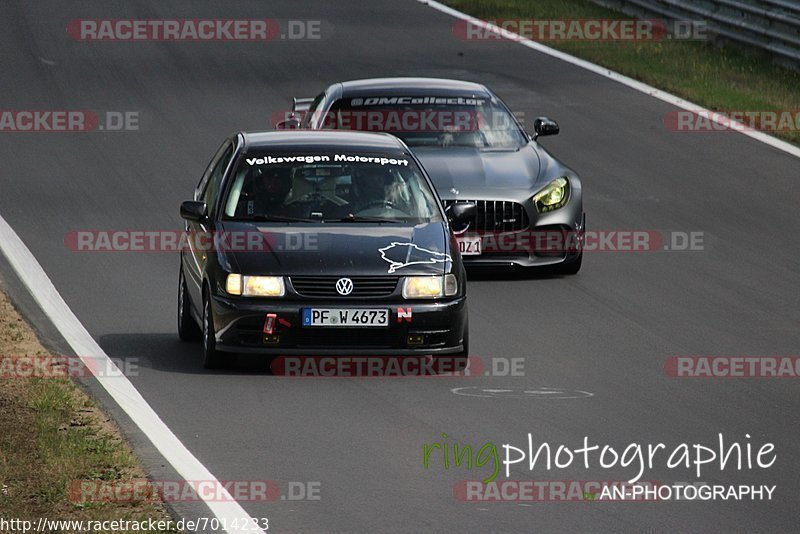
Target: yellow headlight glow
[(255, 286), (422, 287), (233, 284), (263, 286), (553, 196)]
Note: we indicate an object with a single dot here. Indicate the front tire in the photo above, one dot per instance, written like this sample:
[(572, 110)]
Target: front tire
[(212, 358), (188, 330)]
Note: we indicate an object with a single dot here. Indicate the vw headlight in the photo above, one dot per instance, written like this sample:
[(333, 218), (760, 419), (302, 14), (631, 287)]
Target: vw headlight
[(255, 286), (430, 287), (554, 195)]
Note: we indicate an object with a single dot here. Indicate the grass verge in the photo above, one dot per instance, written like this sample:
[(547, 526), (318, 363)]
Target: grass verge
[(724, 78), (52, 433)]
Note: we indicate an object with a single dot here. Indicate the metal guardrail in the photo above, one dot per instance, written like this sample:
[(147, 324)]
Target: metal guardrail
[(769, 25)]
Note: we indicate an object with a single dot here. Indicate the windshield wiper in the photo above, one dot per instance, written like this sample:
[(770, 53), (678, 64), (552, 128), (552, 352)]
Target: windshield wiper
[(358, 218), (273, 218)]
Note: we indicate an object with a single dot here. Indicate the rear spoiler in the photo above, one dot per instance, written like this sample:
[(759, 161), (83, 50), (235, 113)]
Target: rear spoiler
[(301, 105), (292, 120)]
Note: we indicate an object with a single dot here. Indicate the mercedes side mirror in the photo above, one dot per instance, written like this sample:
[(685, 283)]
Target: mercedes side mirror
[(544, 126)]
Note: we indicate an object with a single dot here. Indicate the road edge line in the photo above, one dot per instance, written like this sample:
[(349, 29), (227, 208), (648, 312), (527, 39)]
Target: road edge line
[(617, 77), (117, 385)]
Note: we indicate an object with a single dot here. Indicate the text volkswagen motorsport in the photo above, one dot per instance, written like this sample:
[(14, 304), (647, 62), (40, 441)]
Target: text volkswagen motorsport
[(354, 253), (529, 205)]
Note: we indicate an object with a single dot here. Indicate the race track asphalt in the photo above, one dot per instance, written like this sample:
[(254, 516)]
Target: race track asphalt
[(607, 331)]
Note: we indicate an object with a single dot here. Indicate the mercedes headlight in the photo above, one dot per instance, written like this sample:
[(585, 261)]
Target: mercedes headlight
[(554, 195)]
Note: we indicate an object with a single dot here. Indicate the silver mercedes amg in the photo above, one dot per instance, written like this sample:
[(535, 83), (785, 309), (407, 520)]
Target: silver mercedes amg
[(530, 205)]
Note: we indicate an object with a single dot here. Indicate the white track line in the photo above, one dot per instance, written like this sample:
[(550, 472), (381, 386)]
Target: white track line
[(617, 77), (117, 385)]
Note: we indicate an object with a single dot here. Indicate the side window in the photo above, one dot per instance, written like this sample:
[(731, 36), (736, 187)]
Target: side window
[(215, 179), (201, 186), (310, 113)]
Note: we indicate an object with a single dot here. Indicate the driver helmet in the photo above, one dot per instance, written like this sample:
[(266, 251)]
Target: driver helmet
[(371, 183), (272, 185)]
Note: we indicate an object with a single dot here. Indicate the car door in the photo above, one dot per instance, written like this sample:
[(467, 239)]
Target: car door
[(195, 257)]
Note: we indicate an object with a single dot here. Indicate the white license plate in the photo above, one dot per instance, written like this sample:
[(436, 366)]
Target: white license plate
[(360, 317), (469, 246)]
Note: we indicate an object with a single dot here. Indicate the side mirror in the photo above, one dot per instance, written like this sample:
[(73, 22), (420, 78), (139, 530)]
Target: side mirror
[(462, 212), (544, 126), (192, 210)]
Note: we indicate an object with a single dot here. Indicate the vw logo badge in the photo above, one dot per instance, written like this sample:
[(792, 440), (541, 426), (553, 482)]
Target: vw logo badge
[(344, 286)]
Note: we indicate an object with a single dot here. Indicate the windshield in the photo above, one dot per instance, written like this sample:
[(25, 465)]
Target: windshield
[(329, 187), (430, 121)]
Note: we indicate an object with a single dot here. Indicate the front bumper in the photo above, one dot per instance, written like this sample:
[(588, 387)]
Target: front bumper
[(550, 239), (433, 327)]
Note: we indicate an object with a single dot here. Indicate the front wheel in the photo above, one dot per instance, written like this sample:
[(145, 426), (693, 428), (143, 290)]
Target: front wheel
[(212, 358), (188, 330)]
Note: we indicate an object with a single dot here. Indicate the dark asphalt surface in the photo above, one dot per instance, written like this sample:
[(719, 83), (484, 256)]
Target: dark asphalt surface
[(607, 331)]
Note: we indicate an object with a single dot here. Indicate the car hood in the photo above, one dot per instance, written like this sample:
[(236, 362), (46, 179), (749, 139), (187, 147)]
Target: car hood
[(351, 249), (478, 174)]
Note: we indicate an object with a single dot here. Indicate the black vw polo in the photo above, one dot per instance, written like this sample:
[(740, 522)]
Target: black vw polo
[(320, 243)]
